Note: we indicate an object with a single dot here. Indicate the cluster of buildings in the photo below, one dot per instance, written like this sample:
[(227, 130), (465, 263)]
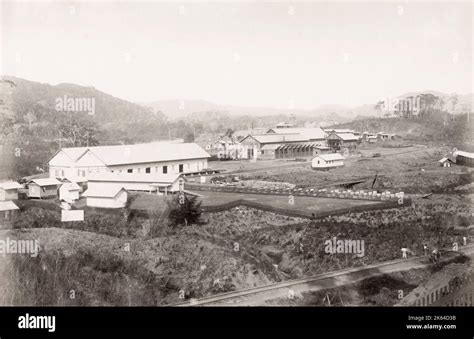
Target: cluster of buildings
[(112, 171), (105, 174), (287, 142)]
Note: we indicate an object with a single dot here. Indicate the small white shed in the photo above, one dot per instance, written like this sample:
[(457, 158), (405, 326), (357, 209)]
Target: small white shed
[(105, 196), (8, 213), (69, 191), (327, 161), (9, 190)]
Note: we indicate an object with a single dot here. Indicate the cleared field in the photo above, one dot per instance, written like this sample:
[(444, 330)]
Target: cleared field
[(304, 205), (239, 166)]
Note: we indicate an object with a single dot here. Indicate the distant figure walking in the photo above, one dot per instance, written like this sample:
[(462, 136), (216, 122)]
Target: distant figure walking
[(404, 252), (435, 255), (425, 249)]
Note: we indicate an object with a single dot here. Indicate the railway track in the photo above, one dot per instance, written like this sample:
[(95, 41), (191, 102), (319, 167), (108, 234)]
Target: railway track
[(258, 295)]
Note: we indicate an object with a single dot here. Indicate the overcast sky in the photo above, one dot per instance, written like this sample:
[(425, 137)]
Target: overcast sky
[(249, 54)]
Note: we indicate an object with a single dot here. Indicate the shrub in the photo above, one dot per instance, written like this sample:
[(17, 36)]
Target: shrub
[(184, 209)]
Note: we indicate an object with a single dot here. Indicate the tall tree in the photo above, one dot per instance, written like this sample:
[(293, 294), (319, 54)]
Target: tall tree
[(79, 132)]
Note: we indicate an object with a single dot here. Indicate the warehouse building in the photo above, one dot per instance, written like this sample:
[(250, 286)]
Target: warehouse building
[(313, 134), (77, 163), (340, 142)]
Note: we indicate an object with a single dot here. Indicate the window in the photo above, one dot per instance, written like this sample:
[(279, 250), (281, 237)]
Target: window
[(189, 166), (157, 169), (147, 170), (165, 169), (181, 168), (263, 152), (7, 215), (172, 168), (57, 173), (138, 170), (130, 170)]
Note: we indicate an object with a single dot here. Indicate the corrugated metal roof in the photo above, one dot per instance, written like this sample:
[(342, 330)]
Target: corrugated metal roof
[(8, 206), (310, 133), (46, 182), (332, 156), (70, 186), (9, 185), (278, 138), (464, 154), (346, 136), (140, 153), (134, 177), (270, 147), (103, 191)]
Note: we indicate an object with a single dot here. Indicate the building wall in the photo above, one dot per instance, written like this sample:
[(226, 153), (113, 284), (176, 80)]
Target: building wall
[(323, 164), (135, 186), (117, 202), (189, 166), (8, 194), (466, 161), (7, 218), (267, 154), (64, 194), (252, 146), (35, 191)]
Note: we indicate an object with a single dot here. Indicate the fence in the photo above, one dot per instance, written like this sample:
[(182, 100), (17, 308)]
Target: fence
[(309, 192), (301, 213), (449, 295)]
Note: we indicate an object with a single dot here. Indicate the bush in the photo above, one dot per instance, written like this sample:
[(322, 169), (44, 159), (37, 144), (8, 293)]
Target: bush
[(184, 210)]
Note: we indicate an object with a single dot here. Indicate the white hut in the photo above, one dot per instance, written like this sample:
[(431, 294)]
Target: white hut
[(9, 190), (327, 161), (105, 196), (69, 191)]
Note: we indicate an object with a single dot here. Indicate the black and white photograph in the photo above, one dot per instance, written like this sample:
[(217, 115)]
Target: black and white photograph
[(192, 156)]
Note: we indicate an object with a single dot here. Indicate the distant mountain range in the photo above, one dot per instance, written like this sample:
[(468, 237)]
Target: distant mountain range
[(176, 109), (25, 97)]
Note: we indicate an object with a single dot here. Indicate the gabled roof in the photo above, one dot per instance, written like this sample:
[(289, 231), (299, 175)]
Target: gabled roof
[(71, 186), (8, 206), (464, 154), (45, 182), (310, 133), (9, 185), (134, 177), (276, 138), (103, 191), (270, 147), (345, 136), (139, 153), (338, 130), (331, 156)]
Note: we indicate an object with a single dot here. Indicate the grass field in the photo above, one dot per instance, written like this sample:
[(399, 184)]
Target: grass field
[(306, 205)]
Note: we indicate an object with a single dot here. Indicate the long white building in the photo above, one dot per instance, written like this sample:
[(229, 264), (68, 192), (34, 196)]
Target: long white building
[(76, 163)]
